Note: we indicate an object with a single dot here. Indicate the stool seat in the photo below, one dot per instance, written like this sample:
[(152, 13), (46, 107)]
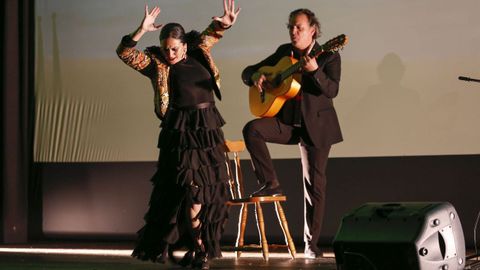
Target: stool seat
[(251, 200)]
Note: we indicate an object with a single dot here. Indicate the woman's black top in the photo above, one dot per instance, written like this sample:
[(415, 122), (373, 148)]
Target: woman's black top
[(191, 83)]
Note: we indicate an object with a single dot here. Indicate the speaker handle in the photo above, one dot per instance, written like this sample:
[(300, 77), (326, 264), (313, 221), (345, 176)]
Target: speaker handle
[(386, 209)]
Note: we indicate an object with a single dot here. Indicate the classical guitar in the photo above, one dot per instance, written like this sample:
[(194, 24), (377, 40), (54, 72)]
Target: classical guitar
[(285, 80)]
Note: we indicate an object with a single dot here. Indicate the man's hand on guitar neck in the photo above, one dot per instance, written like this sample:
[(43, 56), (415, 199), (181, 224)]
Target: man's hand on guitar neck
[(309, 63)]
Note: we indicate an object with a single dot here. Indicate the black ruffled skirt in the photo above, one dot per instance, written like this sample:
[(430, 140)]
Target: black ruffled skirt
[(191, 170)]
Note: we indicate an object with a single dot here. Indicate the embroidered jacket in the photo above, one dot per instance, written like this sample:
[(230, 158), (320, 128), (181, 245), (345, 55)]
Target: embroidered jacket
[(152, 64)]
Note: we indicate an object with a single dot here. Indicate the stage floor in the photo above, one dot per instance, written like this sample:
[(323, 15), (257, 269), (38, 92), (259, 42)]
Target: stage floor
[(101, 256), (108, 257)]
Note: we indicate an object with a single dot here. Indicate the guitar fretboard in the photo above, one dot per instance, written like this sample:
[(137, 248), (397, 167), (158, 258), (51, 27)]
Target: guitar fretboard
[(295, 67)]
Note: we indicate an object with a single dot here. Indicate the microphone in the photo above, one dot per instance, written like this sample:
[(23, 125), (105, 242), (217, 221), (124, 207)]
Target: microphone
[(462, 78)]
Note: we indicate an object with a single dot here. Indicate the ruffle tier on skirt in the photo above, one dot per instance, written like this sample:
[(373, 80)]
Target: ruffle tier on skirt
[(191, 169)]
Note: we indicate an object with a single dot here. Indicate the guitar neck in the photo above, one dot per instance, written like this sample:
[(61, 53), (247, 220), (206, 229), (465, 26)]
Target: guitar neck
[(295, 67), (289, 71)]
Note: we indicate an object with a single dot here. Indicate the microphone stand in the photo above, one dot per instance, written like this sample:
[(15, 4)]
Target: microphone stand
[(462, 78)]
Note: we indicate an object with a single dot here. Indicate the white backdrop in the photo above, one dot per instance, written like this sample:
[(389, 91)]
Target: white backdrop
[(399, 93)]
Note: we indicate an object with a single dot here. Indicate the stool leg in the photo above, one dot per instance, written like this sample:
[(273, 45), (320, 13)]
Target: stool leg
[(261, 229), (242, 222), (286, 231)]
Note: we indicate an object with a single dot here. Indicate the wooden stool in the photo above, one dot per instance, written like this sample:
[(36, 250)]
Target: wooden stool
[(237, 192)]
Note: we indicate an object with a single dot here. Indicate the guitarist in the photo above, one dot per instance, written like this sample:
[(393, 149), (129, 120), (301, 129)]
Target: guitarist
[(309, 120)]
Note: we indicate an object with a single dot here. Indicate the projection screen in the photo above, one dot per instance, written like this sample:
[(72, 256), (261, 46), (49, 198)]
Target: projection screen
[(399, 92)]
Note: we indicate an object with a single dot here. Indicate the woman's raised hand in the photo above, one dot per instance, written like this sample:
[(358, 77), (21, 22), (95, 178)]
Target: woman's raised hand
[(148, 22), (229, 14)]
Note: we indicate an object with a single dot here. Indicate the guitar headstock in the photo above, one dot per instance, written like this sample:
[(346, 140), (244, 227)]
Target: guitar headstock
[(333, 45)]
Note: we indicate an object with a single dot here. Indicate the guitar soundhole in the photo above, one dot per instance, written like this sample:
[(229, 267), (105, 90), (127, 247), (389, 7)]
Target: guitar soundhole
[(277, 81)]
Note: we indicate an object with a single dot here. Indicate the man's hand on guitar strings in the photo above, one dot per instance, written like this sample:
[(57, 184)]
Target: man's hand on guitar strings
[(261, 82)]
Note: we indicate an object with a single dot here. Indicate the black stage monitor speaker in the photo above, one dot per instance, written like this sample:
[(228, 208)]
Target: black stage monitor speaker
[(389, 236)]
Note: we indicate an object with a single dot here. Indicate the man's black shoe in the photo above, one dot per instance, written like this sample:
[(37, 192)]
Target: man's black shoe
[(267, 190)]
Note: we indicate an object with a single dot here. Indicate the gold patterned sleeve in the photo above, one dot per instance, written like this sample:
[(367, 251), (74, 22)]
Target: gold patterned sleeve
[(211, 35), (131, 56)]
